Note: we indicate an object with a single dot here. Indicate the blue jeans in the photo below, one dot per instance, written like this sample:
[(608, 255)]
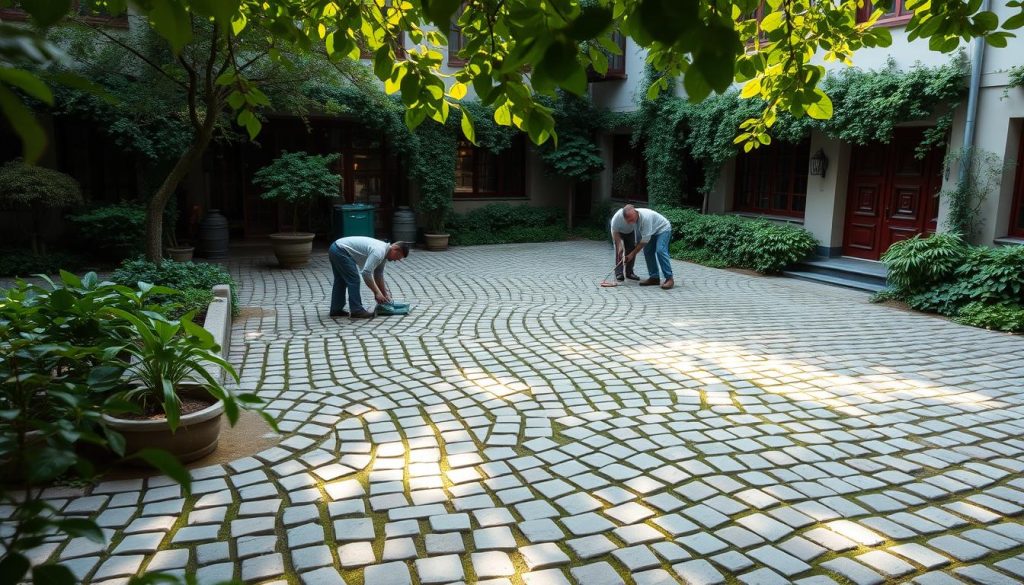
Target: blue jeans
[(656, 254), (346, 277)]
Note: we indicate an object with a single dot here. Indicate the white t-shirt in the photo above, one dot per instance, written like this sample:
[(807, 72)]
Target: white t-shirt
[(369, 253), (650, 223)]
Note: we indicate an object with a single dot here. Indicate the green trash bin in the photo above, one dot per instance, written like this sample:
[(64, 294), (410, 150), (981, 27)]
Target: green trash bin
[(353, 219)]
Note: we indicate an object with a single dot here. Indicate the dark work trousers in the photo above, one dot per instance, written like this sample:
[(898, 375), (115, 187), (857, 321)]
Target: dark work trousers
[(628, 243)]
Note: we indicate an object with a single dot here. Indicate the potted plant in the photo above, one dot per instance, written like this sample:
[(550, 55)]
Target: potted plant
[(297, 177), (177, 251), (435, 205), (172, 368)]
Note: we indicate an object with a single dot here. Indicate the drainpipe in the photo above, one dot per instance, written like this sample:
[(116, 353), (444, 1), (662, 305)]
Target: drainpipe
[(977, 57)]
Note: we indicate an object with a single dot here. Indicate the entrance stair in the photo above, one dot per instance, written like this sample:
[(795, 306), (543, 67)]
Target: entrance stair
[(852, 273)]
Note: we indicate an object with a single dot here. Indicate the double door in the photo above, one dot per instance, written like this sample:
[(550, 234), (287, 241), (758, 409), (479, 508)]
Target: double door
[(892, 196)]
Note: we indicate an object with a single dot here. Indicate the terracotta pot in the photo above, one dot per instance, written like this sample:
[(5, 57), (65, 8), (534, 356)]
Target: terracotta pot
[(195, 437), (437, 242), (181, 253), (292, 249)]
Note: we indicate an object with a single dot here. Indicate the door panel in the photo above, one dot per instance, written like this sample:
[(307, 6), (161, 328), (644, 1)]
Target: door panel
[(891, 194)]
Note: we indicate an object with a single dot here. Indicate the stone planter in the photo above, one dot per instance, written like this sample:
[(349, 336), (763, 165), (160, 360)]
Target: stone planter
[(195, 437), (292, 249), (181, 253), (436, 242)]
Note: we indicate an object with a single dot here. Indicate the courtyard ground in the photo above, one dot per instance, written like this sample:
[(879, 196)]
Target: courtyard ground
[(525, 425)]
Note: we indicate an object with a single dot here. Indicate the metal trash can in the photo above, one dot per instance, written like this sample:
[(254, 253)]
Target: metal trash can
[(353, 219)]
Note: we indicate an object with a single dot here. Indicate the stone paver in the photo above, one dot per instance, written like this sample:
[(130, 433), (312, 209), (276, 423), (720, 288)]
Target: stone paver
[(520, 418)]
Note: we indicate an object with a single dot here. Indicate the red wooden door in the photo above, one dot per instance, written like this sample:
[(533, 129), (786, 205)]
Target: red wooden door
[(892, 194)]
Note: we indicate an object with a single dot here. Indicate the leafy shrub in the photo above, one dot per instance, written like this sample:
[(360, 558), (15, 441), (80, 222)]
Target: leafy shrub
[(34, 188), (589, 232), (770, 248), (501, 223), (1001, 317), (729, 240), (183, 276), (993, 275), (918, 264), (23, 263), (704, 256), (193, 299), (114, 231)]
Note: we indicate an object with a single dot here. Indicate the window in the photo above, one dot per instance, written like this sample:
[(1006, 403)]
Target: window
[(896, 15), (629, 169), (1017, 219), (456, 42), (773, 179), (480, 173), (77, 10)]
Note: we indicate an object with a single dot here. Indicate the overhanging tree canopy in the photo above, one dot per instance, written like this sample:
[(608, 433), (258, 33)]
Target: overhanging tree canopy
[(514, 49)]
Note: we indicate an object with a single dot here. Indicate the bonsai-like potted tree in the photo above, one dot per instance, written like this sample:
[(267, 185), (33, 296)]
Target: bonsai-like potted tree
[(36, 189), (179, 252), (295, 178), (172, 368)]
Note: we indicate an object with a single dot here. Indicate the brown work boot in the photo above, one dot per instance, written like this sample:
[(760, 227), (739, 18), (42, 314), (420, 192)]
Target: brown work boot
[(668, 284), (649, 282), (364, 314)]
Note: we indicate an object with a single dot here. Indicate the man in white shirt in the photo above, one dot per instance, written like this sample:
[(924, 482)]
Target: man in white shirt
[(653, 233), (357, 256), (623, 236)]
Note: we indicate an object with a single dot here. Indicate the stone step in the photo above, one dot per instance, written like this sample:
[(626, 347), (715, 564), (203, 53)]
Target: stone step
[(835, 280)]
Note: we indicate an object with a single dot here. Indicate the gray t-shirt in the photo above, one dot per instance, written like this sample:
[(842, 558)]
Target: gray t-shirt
[(650, 223), (369, 253)]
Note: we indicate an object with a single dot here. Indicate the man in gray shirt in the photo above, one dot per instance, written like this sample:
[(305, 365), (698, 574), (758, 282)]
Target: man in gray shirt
[(653, 232), (623, 236), (359, 256)]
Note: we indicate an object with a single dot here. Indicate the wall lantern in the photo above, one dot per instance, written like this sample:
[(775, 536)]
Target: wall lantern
[(819, 163)]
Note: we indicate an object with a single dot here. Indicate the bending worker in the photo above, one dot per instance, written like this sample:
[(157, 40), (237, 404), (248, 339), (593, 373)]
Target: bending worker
[(652, 233), (624, 238), (357, 256)]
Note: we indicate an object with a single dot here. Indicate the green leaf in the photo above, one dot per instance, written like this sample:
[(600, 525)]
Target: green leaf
[(13, 568), (667, 20), (773, 21), (46, 12), (382, 62), (25, 125), (167, 465), (822, 108), (440, 12), (598, 59), (592, 21), (170, 20), (696, 86), (221, 11), (1014, 22), (27, 83), (50, 462), (467, 127), (82, 527), (986, 20), (53, 575)]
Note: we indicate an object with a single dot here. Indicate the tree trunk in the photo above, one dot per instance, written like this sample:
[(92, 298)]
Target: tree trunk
[(155, 208)]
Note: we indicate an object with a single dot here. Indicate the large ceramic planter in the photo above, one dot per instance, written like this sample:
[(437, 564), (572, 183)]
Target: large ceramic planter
[(195, 437), (437, 242), (181, 253), (292, 249)]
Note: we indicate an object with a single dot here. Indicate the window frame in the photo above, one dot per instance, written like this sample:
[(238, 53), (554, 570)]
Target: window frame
[(618, 72), (502, 168), (1016, 224), (456, 42), (767, 159), (899, 17)]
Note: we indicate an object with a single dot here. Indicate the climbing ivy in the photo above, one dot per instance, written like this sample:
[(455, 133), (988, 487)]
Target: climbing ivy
[(576, 156), (868, 106), (985, 171)]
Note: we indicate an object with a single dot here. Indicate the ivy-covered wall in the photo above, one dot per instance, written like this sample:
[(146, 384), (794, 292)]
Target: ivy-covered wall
[(867, 106)]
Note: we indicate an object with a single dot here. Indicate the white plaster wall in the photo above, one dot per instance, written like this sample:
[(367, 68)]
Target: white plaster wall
[(620, 95)]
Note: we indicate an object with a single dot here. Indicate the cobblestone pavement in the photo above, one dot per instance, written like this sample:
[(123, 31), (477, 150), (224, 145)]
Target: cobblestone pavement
[(524, 425)]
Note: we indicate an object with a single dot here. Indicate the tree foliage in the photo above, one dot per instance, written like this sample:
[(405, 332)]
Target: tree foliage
[(514, 49)]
